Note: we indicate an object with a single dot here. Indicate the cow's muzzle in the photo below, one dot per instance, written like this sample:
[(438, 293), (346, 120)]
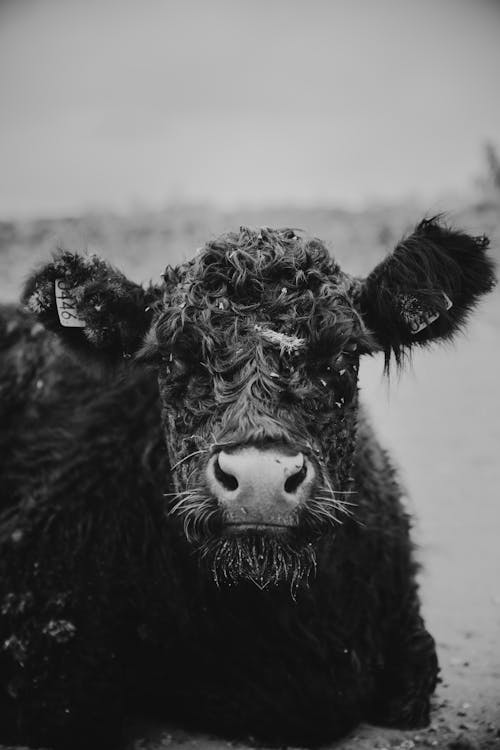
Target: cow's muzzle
[(260, 487)]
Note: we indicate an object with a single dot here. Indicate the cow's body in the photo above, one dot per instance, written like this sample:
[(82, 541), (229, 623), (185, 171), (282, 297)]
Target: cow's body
[(107, 610)]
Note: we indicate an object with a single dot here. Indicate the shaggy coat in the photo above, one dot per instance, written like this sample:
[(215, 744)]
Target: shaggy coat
[(126, 585)]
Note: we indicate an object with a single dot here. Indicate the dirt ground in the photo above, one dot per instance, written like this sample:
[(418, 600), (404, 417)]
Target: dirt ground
[(440, 419)]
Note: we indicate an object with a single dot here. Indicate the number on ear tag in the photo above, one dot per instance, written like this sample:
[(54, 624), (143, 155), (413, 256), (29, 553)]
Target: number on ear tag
[(68, 316)]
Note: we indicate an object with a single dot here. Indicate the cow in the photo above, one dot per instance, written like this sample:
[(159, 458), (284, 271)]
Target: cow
[(197, 520)]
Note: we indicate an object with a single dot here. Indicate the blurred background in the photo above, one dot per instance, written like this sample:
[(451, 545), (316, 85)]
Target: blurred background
[(120, 103), (139, 129)]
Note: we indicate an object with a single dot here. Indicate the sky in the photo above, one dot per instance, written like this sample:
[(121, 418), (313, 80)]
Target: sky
[(124, 103)]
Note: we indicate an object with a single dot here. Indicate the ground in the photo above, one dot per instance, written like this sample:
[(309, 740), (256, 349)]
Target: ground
[(440, 419)]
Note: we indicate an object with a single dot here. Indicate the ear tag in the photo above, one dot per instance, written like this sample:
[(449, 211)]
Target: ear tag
[(423, 318), (68, 316)]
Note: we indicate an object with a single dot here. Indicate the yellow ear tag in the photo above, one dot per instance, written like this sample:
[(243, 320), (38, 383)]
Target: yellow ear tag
[(65, 306)]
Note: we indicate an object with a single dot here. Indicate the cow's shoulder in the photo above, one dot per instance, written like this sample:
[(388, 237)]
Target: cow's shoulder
[(68, 419), (33, 365)]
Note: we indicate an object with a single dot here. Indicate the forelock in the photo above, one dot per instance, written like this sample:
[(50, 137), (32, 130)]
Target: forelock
[(276, 277), (237, 262)]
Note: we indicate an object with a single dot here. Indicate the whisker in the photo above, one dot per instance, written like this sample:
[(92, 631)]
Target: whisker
[(190, 455), (337, 501), (332, 493), (319, 509), (334, 502), (327, 500), (186, 503), (341, 503)]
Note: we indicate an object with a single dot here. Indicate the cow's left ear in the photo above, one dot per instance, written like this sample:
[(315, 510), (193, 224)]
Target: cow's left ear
[(94, 309), (424, 290)]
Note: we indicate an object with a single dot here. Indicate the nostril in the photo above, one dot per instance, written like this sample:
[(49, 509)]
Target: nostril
[(293, 482), (228, 481)]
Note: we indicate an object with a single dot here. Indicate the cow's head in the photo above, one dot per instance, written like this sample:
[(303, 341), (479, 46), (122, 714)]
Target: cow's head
[(257, 343)]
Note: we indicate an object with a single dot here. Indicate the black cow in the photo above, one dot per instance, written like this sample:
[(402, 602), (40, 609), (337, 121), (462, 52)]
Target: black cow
[(256, 577)]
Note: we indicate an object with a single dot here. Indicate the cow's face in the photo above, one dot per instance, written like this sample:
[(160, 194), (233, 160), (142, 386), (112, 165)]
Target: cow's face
[(257, 344), (258, 350)]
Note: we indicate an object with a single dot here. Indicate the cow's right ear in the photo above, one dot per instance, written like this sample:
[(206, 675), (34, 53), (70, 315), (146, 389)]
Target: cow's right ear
[(94, 308)]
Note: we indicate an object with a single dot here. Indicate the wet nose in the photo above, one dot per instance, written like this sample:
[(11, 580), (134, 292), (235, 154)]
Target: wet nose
[(256, 485)]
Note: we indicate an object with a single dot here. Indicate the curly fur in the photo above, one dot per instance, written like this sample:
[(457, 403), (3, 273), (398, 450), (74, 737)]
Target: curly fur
[(120, 590)]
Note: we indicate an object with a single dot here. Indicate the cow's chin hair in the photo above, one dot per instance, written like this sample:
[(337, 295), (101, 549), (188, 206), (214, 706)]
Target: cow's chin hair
[(263, 559)]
